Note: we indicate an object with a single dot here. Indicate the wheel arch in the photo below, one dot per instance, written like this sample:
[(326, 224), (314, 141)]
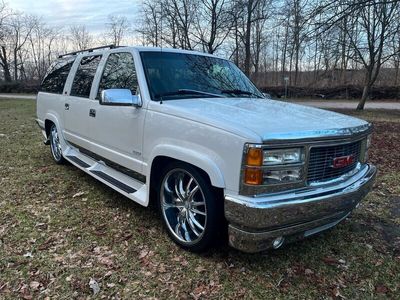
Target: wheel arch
[(50, 119), (202, 163)]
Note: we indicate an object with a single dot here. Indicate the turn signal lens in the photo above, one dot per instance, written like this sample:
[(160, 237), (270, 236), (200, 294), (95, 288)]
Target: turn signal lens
[(253, 176), (254, 157)]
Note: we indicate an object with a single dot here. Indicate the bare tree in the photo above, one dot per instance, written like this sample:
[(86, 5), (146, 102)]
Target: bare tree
[(80, 38), (42, 42), (21, 27), (150, 27), (118, 27), (182, 15), (253, 11), (213, 24), (5, 33), (375, 21)]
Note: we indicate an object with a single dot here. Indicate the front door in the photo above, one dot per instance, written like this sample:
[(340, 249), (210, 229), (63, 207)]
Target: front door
[(117, 130)]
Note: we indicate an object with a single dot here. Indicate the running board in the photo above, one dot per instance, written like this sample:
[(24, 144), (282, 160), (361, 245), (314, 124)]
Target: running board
[(80, 162), (126, 185), (113, 181)]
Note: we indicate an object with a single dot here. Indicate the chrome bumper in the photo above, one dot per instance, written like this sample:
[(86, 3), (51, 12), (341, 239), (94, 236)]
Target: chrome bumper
[(255, 222)]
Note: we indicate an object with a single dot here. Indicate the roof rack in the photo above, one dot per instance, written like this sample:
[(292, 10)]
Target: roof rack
[(112, 46)]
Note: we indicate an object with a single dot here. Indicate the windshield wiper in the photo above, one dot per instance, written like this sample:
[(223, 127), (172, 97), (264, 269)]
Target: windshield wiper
[(240, 92), (186, 92)]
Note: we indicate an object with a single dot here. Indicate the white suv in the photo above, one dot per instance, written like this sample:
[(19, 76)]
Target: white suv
[(191, 133)]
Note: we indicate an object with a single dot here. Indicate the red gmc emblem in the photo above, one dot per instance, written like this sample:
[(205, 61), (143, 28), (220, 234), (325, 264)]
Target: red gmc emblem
[(342, 161)]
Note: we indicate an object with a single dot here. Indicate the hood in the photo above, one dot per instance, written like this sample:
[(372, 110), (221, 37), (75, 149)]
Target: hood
[(268, 119)]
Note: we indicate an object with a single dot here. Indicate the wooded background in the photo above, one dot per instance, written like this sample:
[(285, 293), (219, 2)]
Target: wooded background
[(305, 48)]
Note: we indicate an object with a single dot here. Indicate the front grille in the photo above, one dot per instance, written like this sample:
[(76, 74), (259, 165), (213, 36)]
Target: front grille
[(321, 160)]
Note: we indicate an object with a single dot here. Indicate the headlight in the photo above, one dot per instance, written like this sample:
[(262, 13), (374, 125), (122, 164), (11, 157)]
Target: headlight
[(282, 176), (366, 145), (264, 166), (369, 141), (282, 156)]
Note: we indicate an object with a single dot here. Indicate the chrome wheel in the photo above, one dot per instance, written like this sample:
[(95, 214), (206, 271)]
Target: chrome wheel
[(183, 206), (55, 144)]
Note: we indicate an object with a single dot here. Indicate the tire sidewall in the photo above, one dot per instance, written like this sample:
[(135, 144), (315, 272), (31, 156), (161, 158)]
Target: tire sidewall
[(211, 229), (61, 160)]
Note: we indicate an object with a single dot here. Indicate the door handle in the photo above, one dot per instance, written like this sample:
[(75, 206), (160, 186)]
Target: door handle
[(66, 106), (92, 113)]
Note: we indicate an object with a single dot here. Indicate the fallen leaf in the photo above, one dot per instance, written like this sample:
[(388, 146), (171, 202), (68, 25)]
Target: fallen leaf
[(34, 285), (94, 286), (143, 253), (78, 194), (106, 261), (28, 254), (200, 269), (330, 260), (382, 289), (308, 272)]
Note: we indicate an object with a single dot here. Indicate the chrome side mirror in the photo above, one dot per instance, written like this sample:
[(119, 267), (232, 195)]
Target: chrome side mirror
[(122, 97)]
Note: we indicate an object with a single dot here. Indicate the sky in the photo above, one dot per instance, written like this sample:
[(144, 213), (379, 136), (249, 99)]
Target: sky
[(91, 13)]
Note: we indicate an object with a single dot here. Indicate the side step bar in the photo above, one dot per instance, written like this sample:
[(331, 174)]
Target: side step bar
[(121, 182), (113, 181), (78, 161)]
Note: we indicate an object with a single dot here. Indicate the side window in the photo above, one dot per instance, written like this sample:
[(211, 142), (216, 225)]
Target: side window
[(119, 73), (56, 76), (84, 76)]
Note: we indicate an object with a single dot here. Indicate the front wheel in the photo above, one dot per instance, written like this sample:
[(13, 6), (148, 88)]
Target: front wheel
[(189, 207), (55, 145)]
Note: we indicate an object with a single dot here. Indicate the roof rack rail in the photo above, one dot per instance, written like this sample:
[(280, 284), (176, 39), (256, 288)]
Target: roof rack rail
[(112, 46)]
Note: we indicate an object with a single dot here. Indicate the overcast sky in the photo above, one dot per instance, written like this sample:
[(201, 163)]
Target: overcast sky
[(91, 13)]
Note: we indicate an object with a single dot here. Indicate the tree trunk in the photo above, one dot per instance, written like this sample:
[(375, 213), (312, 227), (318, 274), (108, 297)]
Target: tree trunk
[(364, 97), (248, 39), (15, 65)]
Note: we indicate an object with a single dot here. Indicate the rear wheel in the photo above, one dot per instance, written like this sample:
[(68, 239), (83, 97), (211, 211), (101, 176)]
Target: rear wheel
[(55, 145), (189, 207)]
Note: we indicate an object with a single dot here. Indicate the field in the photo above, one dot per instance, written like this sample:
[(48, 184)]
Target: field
[(64, 235)]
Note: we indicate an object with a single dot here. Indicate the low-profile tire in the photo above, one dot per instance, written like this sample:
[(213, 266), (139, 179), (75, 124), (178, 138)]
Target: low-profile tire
[(189, 207), (55, 145)]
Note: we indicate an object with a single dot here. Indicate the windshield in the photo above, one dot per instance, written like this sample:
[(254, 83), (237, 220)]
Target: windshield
[(179, 75)]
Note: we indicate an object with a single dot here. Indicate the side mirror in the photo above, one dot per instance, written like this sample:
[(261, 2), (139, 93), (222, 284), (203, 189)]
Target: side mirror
[(119, 97)]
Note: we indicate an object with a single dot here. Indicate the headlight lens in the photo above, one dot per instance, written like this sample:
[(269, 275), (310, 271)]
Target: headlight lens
[(265, 166), (282, 176), (367, 144), (282, 156)]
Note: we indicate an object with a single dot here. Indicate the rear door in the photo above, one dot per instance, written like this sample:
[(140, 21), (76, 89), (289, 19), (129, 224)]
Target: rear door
[(118, 130), (77, 105)]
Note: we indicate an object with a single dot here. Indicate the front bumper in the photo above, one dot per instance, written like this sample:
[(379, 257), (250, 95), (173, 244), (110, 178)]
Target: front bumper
[(255, 222)]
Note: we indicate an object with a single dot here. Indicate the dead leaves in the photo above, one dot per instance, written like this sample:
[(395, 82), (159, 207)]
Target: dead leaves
[(79, 194), (94, 286)]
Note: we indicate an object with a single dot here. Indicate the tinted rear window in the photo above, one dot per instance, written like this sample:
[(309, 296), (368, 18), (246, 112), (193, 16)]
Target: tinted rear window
[(84, 76), (56, 76)]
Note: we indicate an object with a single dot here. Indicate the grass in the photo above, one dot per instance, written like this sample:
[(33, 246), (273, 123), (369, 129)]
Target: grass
[(60, 229)]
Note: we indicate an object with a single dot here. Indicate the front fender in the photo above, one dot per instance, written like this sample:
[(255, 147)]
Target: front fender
[(192, 157)]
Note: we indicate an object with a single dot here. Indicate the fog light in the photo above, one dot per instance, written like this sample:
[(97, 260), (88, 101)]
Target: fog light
[(278, 242)]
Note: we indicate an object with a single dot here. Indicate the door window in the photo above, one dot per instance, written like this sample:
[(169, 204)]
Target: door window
[(56, 76), (84, 76), (119, 73)]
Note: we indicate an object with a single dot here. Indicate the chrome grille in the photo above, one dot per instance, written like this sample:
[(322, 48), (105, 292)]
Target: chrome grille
[(321, 159)]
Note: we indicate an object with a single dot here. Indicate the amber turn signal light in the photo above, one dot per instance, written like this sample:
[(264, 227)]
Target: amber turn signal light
[(254, 157), (253, 176)]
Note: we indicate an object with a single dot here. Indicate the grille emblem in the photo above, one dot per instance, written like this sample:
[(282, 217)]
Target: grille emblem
[(342, 161)]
